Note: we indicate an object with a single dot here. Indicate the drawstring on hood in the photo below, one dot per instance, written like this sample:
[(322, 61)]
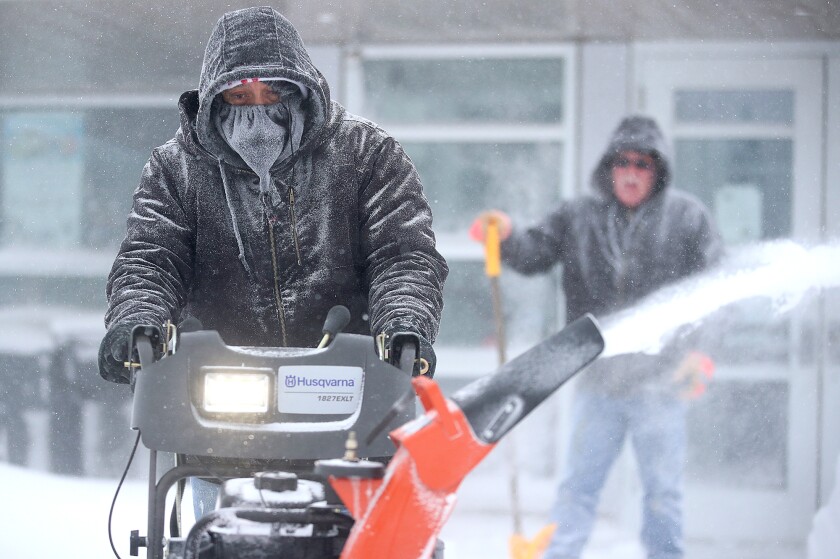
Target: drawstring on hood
[(239, 244)]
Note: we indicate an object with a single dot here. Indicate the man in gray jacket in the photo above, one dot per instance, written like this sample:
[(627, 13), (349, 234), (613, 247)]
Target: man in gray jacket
[(271, 205), (633, 236)]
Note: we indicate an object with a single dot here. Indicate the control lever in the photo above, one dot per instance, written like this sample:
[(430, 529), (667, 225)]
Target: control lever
[(337, 319)]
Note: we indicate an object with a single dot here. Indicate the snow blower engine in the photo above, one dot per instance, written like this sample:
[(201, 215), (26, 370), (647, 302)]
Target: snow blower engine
[(319, 453)]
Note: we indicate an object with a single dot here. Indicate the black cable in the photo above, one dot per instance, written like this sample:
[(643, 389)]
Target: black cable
[(262, 498), (117, 492)]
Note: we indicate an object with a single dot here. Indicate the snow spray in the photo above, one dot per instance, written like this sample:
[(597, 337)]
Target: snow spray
[(782, 271)]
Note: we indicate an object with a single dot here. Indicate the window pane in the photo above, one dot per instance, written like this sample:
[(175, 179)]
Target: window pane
[(737, 435), (67, 176), (521, 90), (43, 162), (468, 320), (769, 107), (462, 179), (747, 184)]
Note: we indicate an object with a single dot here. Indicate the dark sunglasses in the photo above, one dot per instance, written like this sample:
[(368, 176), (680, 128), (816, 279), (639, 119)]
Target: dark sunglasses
[(623, 163)]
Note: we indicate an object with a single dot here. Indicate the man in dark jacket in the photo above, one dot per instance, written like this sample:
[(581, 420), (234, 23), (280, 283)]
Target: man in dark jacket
[(271, 205), (633, 236)]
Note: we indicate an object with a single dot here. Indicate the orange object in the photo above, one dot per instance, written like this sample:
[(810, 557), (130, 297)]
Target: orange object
[(400, 516), (706, 365), (356, 493), (477, 228), (492, 249), (410, 506), (521, 548), (694, 373)]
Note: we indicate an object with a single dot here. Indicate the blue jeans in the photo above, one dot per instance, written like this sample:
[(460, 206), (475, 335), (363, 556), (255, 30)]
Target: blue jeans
[(656, 424), (204, 496)]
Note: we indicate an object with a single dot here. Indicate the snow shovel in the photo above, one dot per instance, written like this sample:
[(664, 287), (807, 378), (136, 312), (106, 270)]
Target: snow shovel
[(520, 547)]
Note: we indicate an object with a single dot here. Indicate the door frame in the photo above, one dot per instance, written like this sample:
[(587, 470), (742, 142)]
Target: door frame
[(660, 70)]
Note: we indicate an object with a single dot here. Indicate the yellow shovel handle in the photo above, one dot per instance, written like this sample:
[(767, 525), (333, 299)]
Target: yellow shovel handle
[(492, 251)]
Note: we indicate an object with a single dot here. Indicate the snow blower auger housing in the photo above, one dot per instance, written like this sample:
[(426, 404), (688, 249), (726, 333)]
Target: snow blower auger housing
[(276, 424)]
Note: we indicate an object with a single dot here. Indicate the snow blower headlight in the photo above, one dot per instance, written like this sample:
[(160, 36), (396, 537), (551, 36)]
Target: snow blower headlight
[(237, 391)]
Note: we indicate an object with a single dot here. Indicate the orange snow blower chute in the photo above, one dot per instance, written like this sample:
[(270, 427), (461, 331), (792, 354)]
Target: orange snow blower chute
[(400, 510)]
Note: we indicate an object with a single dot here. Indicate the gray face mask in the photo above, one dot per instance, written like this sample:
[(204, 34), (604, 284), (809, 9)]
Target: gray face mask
[(259, 134), (256, 132)]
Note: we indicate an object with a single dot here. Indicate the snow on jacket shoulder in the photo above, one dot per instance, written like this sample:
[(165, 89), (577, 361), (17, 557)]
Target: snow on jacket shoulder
[(354, 229)]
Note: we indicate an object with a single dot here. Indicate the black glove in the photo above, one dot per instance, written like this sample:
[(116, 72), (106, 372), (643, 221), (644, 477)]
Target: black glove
[(426, 359), (113, 353)]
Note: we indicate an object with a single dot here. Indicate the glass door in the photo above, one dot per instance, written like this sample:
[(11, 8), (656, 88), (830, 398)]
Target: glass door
[(747, 139)]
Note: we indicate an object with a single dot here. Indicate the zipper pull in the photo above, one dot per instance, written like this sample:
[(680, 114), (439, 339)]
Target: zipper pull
[(268, 209)]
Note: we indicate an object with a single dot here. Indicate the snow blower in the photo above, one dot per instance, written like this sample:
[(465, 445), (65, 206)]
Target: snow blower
[(298, 440)]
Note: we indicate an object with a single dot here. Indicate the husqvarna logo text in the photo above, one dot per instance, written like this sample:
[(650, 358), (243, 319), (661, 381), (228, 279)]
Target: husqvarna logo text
[(319, 389), (294, 381)]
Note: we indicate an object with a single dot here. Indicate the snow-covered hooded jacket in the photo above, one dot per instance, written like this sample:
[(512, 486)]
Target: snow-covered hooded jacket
[(613, 256), (347, 223)]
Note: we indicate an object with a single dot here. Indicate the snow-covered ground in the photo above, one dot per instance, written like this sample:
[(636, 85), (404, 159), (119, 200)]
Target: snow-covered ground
[(56, 516), (45, 515)]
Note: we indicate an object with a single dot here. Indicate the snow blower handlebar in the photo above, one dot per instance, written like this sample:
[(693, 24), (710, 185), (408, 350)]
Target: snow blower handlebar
[(176, 408), (144, 338)]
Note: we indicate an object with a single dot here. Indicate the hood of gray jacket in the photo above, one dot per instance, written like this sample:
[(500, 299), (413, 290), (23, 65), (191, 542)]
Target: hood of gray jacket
[(257, 42), (634, 133)]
